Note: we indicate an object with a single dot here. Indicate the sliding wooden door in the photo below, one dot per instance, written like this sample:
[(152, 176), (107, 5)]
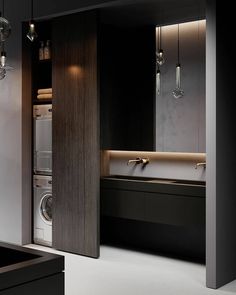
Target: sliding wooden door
[(75, 134)]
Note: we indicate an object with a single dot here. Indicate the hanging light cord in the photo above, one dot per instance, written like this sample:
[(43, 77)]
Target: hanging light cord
[(160, 38), (32, 9), (2, 12), (178, 46)]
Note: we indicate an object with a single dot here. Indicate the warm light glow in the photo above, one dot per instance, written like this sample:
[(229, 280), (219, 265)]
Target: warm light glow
[(75, 70), (161, 156), (186, 26)]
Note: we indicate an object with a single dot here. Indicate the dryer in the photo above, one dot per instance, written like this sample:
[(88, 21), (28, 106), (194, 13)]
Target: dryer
[(43, 210), (42, 139)]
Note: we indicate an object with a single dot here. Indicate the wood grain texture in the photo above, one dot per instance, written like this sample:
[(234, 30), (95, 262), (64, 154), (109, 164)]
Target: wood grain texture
[(76, 135)]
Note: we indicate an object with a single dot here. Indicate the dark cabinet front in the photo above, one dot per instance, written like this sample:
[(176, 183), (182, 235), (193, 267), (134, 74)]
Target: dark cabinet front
[(167, 219), (127, 87), (75, 134), (178, 210)]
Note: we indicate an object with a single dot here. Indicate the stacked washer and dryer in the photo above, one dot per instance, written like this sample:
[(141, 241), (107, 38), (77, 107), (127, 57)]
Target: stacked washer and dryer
[(42, 178)]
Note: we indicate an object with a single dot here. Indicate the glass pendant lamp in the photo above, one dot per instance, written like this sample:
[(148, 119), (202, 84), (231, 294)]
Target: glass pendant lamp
[(2, 67), (3, 59), (32, 35), (158, 81), (5, 27), (5, 31), (178, 91), (160, 54)]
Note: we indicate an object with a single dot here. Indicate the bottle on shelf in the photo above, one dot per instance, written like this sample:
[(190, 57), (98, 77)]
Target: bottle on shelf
[(47, 50), (41, 51)]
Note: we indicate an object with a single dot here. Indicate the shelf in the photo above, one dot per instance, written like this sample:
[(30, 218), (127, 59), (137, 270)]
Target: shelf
[(45, 61), (42, 101)]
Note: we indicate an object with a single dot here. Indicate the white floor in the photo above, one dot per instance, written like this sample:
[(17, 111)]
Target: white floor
[(124, 272)]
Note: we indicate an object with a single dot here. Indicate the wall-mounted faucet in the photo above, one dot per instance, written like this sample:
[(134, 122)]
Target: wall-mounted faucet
[(200, 165), (143, 161)]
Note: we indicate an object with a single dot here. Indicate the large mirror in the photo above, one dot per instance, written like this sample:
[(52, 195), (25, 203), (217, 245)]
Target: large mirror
[(180, 122), (135, 115)]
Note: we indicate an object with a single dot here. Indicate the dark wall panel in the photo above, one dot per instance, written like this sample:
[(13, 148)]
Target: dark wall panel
[(127, 87), (221, 146)]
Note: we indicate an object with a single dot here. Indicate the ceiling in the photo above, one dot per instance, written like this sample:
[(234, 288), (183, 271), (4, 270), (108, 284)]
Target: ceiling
[(153, 12)]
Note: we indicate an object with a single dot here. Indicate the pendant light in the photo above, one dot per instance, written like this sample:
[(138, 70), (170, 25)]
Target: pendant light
[(178, 91), (5, 27), (32, 35), (159, 55), (5, 31), (158, 81), (3, 59)]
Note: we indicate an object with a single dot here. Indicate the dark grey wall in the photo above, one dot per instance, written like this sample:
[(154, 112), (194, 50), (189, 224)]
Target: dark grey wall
[(221, 146), (180, 123)]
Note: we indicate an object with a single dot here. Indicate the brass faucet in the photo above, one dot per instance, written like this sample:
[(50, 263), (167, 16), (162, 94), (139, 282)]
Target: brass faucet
[(139, 160), (200, 164)]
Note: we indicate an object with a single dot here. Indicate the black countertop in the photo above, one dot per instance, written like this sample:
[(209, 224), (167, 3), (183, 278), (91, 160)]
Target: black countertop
[(155, 185), (19, 265)]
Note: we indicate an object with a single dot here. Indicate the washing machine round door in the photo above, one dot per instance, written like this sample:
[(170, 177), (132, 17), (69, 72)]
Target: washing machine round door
[(46, 208)]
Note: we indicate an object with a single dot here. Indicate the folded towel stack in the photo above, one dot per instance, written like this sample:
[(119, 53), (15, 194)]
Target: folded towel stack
[(45, 93)]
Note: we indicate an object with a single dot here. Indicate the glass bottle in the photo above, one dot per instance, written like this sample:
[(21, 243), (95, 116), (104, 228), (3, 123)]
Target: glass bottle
[(47, 50), (41, 51)]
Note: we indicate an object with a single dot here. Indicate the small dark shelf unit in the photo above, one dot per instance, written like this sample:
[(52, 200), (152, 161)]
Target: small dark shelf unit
[(41, 69)]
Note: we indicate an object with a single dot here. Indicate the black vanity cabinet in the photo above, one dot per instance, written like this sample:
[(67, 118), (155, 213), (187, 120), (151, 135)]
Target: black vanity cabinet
[(164, 201), (155, 215), (127, 87)]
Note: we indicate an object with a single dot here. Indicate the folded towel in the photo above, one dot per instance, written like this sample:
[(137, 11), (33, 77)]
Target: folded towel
[(44, 96), (45, 91)]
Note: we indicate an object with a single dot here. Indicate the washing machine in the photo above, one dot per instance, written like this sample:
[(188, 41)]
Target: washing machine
[(42, 210)]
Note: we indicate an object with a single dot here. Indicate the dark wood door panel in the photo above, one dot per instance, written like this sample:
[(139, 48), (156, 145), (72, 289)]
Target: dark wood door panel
[(75, 134)]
